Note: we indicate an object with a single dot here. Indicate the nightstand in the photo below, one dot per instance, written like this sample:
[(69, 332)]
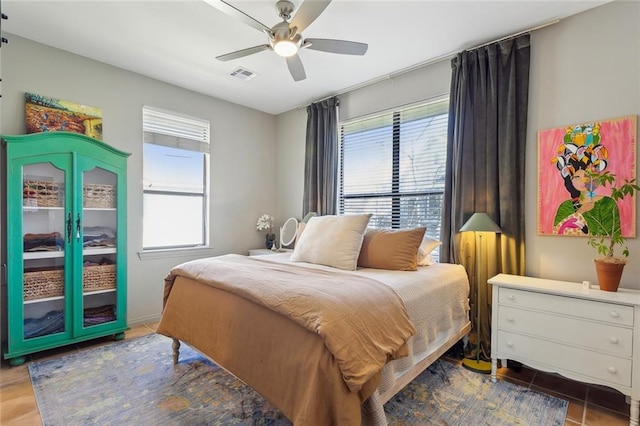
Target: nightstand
[(266, 251)]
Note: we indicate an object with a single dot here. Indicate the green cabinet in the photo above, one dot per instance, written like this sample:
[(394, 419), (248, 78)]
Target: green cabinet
[(66, 230)]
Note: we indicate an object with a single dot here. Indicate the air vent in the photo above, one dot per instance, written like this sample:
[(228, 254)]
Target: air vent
[(243, 74)]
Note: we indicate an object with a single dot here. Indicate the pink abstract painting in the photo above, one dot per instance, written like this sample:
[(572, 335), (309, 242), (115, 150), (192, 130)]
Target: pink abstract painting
[(566, 156)]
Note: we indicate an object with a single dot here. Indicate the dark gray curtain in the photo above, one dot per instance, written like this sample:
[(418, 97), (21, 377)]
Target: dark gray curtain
[(321, 159), (485, 165)]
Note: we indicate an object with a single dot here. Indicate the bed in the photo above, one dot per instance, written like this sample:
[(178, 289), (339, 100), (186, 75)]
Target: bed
[(310, 377)]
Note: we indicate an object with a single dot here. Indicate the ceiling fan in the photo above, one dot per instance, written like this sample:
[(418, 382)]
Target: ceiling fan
[(285, 38)]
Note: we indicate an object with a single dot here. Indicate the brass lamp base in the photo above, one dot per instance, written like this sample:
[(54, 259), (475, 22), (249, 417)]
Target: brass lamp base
[(477, 366)]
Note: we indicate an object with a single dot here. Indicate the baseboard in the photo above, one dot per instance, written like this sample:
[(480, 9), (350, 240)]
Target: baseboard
[(132, 322)]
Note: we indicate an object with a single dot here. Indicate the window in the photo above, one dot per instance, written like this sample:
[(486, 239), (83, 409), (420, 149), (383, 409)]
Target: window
[(175, 171), (392, 165)]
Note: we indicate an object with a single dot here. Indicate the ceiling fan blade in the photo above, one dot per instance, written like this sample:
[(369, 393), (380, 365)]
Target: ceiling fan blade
[(337, 46), (244, 52), (296, 68), (238, 14), (308, 11)]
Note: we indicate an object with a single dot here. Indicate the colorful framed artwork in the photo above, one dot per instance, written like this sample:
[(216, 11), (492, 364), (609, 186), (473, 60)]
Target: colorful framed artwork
[(569, 202), (43, 114)]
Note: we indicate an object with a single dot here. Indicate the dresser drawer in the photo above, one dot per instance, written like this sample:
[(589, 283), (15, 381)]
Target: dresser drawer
[(598, 311), (609, 368), (612, 339)]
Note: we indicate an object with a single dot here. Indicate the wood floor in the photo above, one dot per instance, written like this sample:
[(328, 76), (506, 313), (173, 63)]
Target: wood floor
[(588, 405)]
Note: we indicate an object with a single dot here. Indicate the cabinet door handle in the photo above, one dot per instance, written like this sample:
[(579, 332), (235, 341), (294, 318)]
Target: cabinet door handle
[(613, 340), (78, 227), (69, 225), (614, 314), (612, 370)]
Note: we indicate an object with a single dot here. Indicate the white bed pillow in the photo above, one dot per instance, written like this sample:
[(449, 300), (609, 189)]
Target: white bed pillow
[(332, 240), (424, 251)]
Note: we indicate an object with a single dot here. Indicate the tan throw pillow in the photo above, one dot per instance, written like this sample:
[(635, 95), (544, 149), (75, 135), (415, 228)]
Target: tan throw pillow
[(391, 249), (332, 241)]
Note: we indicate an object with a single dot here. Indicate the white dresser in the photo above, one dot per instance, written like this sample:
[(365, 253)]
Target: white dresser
[(582, 333)]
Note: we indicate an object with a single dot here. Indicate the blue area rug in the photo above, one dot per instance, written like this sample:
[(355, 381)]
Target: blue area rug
[(134, 382)]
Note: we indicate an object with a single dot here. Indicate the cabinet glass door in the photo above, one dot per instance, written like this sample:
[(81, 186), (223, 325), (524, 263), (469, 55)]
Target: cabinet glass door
[(44, 228), (99, 247)]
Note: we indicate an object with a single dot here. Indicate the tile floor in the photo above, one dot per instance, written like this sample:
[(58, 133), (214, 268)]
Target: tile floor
[(588, 405)]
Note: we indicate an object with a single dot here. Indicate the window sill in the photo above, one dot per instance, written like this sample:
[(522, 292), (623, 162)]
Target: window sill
[(169, 253)]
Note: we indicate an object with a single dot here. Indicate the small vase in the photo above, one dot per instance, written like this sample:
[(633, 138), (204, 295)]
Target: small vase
[(270, 241)]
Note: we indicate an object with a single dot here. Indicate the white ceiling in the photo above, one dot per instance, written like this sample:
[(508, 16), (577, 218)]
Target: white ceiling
[(177, 41)]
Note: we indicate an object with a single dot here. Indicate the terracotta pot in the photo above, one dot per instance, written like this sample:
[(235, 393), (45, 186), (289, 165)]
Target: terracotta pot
[(609, 274)]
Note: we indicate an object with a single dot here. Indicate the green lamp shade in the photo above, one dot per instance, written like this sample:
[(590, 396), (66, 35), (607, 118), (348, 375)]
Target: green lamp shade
[(480, 222)]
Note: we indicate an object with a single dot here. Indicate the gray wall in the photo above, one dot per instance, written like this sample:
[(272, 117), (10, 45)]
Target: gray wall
[(242, 150), (585, 68)]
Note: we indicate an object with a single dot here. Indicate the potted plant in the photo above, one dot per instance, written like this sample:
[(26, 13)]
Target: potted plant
[(607, 233)]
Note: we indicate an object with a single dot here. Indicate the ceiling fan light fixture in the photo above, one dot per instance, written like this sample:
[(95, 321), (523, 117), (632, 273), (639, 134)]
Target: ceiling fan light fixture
[(285, 48), (285, 37)]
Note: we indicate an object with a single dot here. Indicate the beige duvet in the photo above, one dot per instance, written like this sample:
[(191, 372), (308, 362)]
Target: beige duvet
[(312, 342)]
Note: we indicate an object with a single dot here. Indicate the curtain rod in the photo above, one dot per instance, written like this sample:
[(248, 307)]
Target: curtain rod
[(514, 35), (425, 63), (383, 78), (349, 89)]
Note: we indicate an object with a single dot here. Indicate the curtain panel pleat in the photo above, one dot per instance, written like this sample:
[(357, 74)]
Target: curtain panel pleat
[(321, 158), (486, 164)]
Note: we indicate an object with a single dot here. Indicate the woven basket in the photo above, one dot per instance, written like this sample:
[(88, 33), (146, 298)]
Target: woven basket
[(99, 195), (41, 284), (40, 193), (99, 277)]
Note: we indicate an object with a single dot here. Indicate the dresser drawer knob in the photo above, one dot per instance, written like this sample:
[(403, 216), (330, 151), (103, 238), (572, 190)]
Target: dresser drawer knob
[(510, 343), (511, 297), (510, 318), (612, 370), (614, 314), (613, 340)]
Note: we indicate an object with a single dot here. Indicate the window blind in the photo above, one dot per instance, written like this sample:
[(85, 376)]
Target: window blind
[(174, 130), (393, 164)]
